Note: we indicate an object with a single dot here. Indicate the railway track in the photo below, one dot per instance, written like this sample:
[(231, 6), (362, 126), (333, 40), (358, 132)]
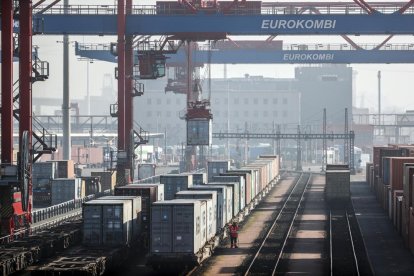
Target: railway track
[(269, 253), (346, 248)]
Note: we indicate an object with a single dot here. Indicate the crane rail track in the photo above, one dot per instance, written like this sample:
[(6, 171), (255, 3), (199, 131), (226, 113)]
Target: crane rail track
[(269, 253)]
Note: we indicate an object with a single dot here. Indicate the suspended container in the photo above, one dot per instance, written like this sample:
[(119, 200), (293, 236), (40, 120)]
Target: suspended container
[(199, 124)]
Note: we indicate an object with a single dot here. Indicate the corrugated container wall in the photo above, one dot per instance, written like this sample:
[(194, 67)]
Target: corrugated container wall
[(236, 179), (63, 190), (235, 195), (221, 202), (247, 183), (212, 208), (337, 186), (174, 183)]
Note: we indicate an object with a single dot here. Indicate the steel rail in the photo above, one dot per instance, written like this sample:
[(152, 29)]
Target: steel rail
[(351, 241), (276, 220)]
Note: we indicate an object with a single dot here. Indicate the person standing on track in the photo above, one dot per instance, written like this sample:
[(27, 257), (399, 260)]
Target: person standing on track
[(234, 234)]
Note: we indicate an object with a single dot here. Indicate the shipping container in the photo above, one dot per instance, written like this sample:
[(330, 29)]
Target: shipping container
[(411, 231), (115, 227), (159, 188), (199, 178), (215, 168), (212, 208), (108, 179), (337, 186), (234, 200), (255, 178), (64, 168), (199, 132), (148, 195), (221, 202), (398, 219), (174, 183), (63, 189), (44, 170), (235, 179), (146, 171), (386, 170), (136, 211), (186, 231), (92, 184), (395, 206), (407, 200), (397, 173), (247, 182)]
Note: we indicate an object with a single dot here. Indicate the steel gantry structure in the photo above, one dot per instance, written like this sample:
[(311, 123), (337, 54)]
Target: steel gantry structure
[(185, 20)]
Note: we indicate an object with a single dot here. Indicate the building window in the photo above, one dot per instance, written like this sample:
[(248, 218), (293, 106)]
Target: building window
[(246, 100), (236, 113), (149, 101), (158, 113), (275, 113), (177, 101), (149, 113), (274, 100), (265, 101), (265, 113), (225, 114), (284, 100), (158, 101), (236, 101), (255, 101), (168, 101), (168, 114), (256, 113), (246, 113), (285, 113)]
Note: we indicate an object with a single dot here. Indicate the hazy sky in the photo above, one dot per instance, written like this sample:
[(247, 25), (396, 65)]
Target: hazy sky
[(396, 88)]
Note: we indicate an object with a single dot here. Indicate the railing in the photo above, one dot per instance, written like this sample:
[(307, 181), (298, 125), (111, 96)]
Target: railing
[(56, 215), (280, 8), (63, 208)]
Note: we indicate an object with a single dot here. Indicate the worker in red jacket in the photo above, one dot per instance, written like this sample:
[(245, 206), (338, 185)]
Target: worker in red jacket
[(234, 234)]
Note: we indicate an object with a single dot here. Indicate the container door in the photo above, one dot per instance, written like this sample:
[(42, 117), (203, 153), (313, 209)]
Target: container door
[(92, 225), (161, 228), (183, 229)]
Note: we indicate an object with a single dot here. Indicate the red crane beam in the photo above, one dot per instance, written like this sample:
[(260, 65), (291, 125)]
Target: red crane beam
[(129, 106), (7, 81), (121, 74), (25, 85)]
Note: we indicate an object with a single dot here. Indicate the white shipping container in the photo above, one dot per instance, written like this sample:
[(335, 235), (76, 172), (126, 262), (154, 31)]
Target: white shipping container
[(211, 207), (238, 179), (221, 202), (234, 197), (189, 226), (107, 222), (199, 132), (136, 211)]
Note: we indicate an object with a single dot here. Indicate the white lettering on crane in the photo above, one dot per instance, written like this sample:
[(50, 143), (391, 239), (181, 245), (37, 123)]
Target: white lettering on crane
[(308, 57), (298, 24)]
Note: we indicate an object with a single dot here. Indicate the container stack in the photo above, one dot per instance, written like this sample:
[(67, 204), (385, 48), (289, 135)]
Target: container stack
[(337, 188), (174, 183), (390, 176)]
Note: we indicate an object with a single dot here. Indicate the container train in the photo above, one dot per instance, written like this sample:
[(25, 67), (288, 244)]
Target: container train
[(181, 219)]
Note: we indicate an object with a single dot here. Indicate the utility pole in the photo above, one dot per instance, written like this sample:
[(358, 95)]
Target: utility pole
[(66, 96), (346, 141), (379, 97), (324, 149)]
